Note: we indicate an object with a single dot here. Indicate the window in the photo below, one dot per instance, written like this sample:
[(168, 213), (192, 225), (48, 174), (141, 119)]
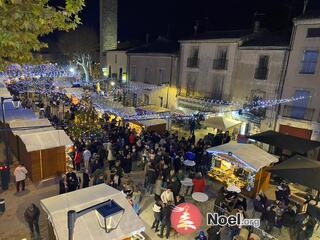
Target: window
[(116, 59), (299, 108), (313, 32), (193, 59), (146, 73), (192, 78), (217, 91), (133, 73), (120, 73), (220, 62), (109, 74), (261, 71), (135, 100), (161, 101), (162, 75), (309, 62), (194, 52), (146, 99)]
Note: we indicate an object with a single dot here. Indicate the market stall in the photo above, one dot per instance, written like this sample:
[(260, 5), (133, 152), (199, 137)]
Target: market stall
[(21, 127), (152, 125), (16, 113), (242, 165), (126, 224), (221, 123), (44, 153)]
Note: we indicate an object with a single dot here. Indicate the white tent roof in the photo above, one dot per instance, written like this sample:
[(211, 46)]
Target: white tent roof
[(251, 155), (153, 122), (20, 127), (45, 140), (12, 113), (221, 123), (87, 226)]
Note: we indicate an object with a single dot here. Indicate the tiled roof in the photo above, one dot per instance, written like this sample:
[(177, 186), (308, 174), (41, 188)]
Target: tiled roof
[(159, 46), (266, 38)]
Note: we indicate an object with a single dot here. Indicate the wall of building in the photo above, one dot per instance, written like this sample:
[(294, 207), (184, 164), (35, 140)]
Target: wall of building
[(116, 60), (296, 80), (153, 68), (206, 74)]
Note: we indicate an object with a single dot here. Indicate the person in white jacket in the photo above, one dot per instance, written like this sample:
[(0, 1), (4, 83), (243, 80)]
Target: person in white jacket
[(167, 196), (20, 174)]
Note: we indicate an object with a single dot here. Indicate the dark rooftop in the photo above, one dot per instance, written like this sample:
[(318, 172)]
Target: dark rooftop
[(161, 45), (220, 35), (266, 38)]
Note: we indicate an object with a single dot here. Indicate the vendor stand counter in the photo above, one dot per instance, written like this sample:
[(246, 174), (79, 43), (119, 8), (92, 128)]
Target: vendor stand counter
[(241, 165), (152, 125), (87, 226)]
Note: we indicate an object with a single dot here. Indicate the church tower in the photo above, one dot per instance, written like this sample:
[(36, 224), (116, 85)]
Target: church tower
[(108, 28)]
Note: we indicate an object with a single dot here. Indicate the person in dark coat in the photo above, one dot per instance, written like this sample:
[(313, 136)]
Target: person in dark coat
[(214, 232), (31, 215), (62, 184), (166, 220), (85, 179), (151, 179), (72, 181)]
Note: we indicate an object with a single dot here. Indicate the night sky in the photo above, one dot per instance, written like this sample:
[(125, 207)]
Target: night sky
[(176, 18)]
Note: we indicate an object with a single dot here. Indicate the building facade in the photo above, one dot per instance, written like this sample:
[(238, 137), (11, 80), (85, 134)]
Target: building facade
[(116, 65), (301, 118), (259, 75), (153, 68)]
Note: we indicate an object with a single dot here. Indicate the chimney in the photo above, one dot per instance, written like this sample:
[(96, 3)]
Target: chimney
[(256, 27)]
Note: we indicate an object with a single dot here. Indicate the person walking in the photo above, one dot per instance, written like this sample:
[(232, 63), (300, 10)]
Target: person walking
[(20, 174), (77, 160), (31, 215), (62, 184), (157, 215), (166, 219), (85, 178), (86, 158), (136, 200)]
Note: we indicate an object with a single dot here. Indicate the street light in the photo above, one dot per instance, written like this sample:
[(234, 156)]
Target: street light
[(72, 70), (112, 83)]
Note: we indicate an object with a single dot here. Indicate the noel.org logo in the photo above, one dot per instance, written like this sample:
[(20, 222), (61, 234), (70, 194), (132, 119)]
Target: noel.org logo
[(186, 218)]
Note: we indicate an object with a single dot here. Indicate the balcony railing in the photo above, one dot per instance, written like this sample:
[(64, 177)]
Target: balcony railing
[(297, 112), (261, 73), (193, 62), (220, 64), (308, 67)]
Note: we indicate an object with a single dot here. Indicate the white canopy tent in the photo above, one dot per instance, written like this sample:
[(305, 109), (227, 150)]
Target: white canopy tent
[(87, 226), (152, 122), (249, 154), (21, 127), (45, 140), (221, 123)]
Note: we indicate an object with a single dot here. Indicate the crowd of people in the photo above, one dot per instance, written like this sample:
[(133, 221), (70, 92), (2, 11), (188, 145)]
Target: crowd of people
[(110, 158)]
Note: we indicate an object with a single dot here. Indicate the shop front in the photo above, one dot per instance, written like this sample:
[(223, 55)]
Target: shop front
[(241, 165)]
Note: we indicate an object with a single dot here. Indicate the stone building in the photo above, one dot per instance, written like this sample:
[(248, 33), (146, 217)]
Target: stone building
[(301, 118), (259, 74), (155, 65)]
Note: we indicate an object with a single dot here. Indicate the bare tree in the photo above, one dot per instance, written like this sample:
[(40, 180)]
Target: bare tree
[(81, 46)]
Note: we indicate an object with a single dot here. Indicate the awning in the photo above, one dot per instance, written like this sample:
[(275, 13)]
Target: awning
[(153, 109), (45, 140), (248, 154), (87, 226), (21, 127), (299, 169), (221, 123), (284, 141), (20, 113), (153, 122)]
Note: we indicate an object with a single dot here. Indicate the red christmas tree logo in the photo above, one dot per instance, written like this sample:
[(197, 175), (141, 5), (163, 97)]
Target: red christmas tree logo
[(186, 218)]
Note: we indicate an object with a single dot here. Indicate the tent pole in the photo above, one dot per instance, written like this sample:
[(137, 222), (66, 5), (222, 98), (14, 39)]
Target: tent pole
[(259, 181)]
